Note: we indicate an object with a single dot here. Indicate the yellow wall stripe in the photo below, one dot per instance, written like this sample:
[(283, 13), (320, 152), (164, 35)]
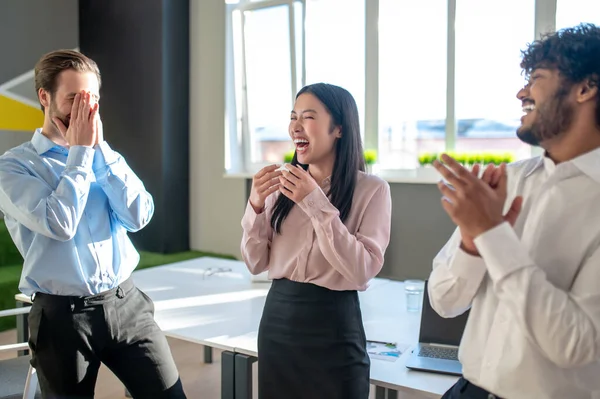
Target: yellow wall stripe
[(17, 116)]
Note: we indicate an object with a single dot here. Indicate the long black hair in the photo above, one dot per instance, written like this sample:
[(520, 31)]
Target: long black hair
[(349, 157)]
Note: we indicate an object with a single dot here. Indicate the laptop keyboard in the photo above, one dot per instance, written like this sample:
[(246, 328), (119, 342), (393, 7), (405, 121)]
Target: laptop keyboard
[(437, 352)]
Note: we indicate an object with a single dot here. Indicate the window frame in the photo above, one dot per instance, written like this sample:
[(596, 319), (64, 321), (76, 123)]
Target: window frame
[(238, 146)]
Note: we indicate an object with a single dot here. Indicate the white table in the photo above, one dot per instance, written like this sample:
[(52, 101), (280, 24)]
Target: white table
[(223, 310), (194, 303), (385, 319)]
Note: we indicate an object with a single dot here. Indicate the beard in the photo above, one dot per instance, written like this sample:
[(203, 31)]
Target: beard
[(55, 113), (553, 118)]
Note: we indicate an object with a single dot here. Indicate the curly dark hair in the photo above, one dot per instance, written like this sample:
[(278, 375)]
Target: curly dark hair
[(574, 52)]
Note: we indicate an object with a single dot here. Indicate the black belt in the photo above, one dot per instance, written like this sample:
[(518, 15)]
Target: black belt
[(82, 302), (474, 391)]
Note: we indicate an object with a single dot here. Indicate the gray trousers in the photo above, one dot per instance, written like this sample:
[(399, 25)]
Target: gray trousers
[(71, 336)]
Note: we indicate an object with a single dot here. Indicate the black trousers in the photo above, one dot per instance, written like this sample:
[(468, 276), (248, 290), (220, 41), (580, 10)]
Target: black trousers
[(311, 344), (463, 389), (71, 336)]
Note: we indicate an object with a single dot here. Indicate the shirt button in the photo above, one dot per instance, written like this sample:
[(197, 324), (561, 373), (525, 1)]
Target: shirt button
[(491, 396), (310, 203)]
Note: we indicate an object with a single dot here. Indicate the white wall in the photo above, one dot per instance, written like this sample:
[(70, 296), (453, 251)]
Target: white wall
[(217, 204)]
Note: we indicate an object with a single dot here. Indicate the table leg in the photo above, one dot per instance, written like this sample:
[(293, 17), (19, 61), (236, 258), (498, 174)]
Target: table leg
[(208, 354), (243, 376), (227, 375), (22, 328), (384, 393)]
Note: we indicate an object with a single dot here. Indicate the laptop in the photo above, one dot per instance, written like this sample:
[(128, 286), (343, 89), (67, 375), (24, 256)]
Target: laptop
[(437, 351)]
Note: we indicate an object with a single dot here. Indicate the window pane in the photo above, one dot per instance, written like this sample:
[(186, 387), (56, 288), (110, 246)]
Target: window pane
[(573, 12), (335, 46), (488, 75), (268, 82), (298, 11), (412, 80)]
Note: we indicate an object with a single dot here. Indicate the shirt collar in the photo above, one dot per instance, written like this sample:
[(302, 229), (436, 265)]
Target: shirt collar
[(588, 163), (326, 183), (41, 143), (535, 166)]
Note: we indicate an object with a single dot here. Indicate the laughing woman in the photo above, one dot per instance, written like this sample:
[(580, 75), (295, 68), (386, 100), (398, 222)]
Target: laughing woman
[(320, 227)]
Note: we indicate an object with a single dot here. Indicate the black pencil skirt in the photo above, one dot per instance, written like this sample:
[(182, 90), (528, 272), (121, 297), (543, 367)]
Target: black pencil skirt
[(311, 344)]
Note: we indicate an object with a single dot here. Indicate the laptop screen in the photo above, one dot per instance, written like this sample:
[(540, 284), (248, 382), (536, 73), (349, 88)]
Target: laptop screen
[(437, 330)]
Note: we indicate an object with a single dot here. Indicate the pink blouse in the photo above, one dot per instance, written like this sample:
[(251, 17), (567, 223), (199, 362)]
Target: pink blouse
[(315, 246)]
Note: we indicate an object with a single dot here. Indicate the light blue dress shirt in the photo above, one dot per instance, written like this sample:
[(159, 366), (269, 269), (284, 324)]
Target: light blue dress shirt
[(68, 212)]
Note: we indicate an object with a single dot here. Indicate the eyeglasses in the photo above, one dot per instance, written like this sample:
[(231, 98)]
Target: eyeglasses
[(214, 270)]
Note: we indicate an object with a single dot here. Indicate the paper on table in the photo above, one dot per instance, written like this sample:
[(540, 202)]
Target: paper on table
[(388, 351)]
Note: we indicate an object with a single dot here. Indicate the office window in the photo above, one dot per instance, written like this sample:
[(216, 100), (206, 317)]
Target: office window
[(266, 59), (335, 46), (573, 12), (488, 74), (281, 45), (271, 67), (412, 80)]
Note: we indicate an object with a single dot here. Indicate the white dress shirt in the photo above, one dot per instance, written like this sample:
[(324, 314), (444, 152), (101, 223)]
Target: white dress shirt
[(534, 327)]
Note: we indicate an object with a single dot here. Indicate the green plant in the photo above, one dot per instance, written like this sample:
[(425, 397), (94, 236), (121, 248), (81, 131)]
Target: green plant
[(288, 156), (9, 255), (508, 157), (370, 157), (470, 158), (9, 286), (427, 158), (461, 158), (489, 158), (497, 159)]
